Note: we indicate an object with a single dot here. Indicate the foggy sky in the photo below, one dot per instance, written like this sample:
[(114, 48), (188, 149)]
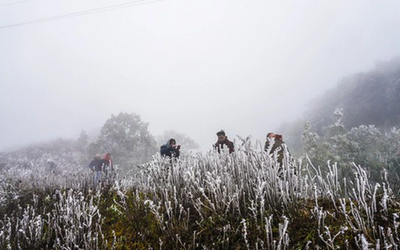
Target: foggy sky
[(191, 66)]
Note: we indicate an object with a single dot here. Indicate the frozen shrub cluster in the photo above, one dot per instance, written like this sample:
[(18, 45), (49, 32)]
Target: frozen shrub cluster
[(73, 223), (44, 208), (249, 186), (373, 148), (206, 201)]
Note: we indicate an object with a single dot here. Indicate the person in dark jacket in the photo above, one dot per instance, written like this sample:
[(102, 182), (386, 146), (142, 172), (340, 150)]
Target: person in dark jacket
[(223, 142), (96, 166), (170, 149)]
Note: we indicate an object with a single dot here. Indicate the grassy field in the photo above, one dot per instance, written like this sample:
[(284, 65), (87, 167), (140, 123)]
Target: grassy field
[(243, 200)]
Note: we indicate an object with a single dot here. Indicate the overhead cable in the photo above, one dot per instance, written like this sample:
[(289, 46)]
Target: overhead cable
[(85, 12), (7, 4)]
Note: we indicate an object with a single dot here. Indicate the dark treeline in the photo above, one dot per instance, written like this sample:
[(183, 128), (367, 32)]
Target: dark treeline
[(368, 98)]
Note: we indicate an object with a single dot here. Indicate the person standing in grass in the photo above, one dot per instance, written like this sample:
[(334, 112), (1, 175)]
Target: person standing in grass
[(96, 167), (270, 138), (170, 149), (223, 142), (278, 146), (107, 166), (107, 162)]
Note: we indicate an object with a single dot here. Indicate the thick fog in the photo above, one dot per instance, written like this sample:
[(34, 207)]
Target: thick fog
[(191, 66)]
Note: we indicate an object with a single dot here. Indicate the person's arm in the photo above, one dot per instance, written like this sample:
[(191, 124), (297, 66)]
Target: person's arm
[(266, 146), (111, 165), (177, 151), (231, 147)]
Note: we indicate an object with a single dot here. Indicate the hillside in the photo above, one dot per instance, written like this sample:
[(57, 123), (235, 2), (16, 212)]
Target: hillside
[(368, 98)]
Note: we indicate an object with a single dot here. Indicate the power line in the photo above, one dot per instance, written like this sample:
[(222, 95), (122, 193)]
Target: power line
[(7, 4), (85, 12)]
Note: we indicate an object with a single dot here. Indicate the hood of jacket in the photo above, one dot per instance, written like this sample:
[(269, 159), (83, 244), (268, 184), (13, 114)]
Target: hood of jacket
[(168, 144)]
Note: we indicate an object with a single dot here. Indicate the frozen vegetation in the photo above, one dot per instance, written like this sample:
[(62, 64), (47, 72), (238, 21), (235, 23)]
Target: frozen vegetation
[(204, 201)]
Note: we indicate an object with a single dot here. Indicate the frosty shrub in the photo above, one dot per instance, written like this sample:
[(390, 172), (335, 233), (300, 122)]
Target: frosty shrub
[(243, 200), (367, 146), (219, 195), (47, 209)]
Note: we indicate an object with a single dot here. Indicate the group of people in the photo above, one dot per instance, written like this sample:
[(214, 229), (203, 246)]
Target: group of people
[(101, 166), (171, 149), (274, 144)]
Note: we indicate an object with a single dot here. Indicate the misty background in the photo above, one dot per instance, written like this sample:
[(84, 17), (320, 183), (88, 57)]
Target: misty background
[(191, 66)]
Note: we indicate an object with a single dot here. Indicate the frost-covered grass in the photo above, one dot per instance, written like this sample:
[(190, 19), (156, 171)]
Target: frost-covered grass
[(205, 201)]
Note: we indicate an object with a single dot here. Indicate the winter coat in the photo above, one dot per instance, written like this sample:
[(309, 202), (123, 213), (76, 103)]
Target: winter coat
[(267, 144), (278, 145), (226, 143), (107, 162), (96, 164), (167, 150)]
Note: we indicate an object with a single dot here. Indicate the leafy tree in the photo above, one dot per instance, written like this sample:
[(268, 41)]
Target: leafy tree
[(83, 140), (341, 147), (364, 145), (310, 140), (317, 150), (128, 140), (393, 103)]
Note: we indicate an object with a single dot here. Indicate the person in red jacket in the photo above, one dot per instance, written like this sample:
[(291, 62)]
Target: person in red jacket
[(107, 164), (107, 160), (223, 142)]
